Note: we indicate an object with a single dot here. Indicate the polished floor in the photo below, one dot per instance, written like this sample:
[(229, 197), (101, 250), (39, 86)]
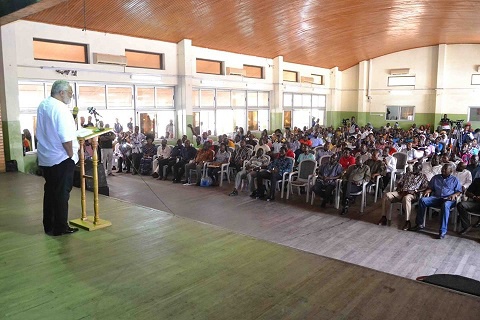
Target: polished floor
[(354, 238), (152, 264)]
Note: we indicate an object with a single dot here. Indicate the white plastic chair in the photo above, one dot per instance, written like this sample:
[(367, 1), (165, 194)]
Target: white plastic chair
[(400, 169), (302, 177), (362, 193), (375, 185)]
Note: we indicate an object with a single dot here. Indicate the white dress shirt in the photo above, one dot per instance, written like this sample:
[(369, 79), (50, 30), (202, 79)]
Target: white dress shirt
[(55, 126)]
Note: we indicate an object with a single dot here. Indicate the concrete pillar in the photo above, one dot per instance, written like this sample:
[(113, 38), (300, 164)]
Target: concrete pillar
[(276, 108), (12, 132), (183, 91), (440, 86)]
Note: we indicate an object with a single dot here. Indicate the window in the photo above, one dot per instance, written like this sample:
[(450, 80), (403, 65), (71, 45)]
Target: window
[(475, 79), (59, 51), (474, 114), (145, 97), (30, 95), (400, 113), (317, 79), (209, 66), (149, 60), (164, 97), (290, 76), (119, 97), (91, 96), (287, 119), (253, 71), (401, 81)]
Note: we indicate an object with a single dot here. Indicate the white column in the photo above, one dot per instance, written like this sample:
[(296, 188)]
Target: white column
[(183, 91)]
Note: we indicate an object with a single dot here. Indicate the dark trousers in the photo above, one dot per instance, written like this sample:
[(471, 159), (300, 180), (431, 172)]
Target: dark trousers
[(386, 180), (136, 157), (463, 208), (273, 177), (58, 184), (127, 161), (179, 169), (165, 162), (325, 191), (349, 188)]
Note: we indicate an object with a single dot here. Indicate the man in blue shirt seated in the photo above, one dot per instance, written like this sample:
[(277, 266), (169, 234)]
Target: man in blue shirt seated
[(274, 172), (444, 189)]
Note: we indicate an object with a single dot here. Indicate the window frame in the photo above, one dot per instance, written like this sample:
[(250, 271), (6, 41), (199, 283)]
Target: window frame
[(402, 85), (470, 113), (84, 45), (161, 57), (222, 69), (400, 112), (297, 75), (262, 71)]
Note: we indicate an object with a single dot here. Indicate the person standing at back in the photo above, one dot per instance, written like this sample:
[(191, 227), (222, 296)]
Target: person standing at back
[(57, 154)]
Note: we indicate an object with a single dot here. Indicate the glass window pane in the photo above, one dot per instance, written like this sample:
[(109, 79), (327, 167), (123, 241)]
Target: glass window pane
[(30, 95), (164, 97), (109, 116), (315, 100), (207, 121), (252, 100), (238, 99), (207, 98), (145, 97), (474, 114), (287, 100), (301, 118), (307, 100), (401, 81), (407, 113), (163, 120), (148, 122), (240, 118), (223, 98), (297, 100), (225, 121), (263, 119), (263, 99), (119, 97), (196, 97), (29, 122), (320, 115), (252, 120), (475, 79), (287, 119), (91, 96)]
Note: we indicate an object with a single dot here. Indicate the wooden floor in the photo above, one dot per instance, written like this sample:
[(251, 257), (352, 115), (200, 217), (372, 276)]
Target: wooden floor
[(354, 238), (155, 265)]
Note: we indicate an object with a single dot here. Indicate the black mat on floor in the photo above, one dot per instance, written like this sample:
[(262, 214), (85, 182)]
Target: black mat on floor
[(454, 282)]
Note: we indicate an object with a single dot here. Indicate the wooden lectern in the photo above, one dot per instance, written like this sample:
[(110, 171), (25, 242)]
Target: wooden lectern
[(85, 222)]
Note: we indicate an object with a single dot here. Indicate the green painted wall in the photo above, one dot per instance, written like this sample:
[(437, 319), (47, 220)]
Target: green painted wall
[(335, 118), (13, 142), (276, 120)]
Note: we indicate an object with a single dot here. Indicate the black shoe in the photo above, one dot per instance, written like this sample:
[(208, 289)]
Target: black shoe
[(253, 195), (67, 231), (441, 235), (344, 211), (416, 228), (128, 171), (407, 226), (383, 221), (155, 175), (270, 199), (233, 193), (324, 203)]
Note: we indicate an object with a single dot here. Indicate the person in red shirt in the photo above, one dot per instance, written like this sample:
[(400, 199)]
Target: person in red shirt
[(305, 140), (347, 159), (289, 152)]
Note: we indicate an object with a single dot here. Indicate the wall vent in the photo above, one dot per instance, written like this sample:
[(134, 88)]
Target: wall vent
[(236, 72), (101, 58), (399, 72)]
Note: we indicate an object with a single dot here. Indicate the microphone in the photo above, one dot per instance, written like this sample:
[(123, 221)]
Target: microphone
[(93, 111)]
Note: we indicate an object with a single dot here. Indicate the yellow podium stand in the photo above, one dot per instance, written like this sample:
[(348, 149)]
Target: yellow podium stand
[(88, 222)]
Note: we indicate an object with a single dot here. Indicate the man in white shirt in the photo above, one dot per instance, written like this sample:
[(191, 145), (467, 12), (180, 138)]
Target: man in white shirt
[(163, 153), (57, 154), (463, 175), (433, 167)]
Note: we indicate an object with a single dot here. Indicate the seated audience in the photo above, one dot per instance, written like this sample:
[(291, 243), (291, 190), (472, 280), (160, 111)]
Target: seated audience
[(163, 153), (471, 205), (353, 181), (255, 164), (274, 172), (187, 154), (327, 176), (408, 189), (445, 188), (222, 156), (203, 155)]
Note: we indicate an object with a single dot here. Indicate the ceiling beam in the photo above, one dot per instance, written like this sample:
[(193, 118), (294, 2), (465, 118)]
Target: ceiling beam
[(12, 12)]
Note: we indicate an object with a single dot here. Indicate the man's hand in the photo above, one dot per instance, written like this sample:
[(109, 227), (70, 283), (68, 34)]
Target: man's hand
[(427, 192), (452, 197)]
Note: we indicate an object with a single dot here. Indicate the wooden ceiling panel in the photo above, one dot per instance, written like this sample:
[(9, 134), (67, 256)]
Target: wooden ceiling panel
[(313, 32)]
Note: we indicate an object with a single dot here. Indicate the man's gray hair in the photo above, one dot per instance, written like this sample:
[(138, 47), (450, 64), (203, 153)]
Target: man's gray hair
[(59, 85)]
